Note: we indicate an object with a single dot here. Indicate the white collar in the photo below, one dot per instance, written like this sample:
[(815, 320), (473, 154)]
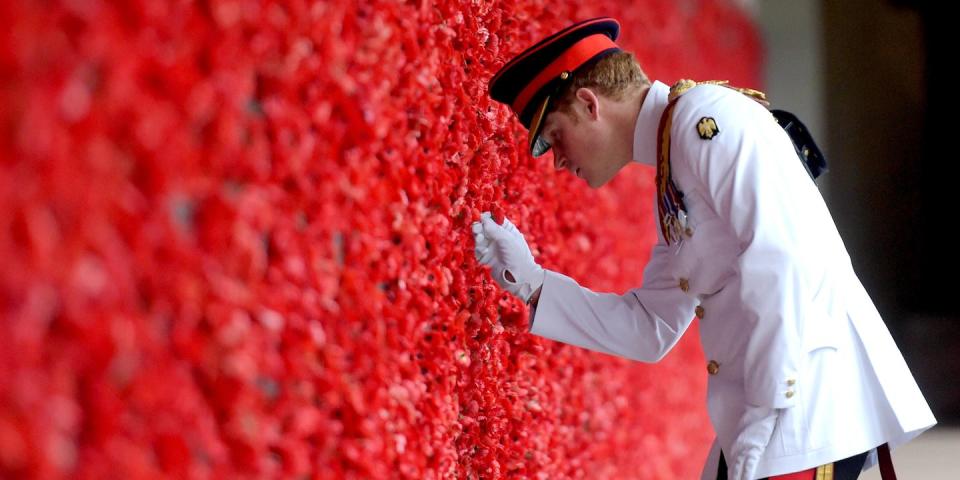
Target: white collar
[(648, 122)]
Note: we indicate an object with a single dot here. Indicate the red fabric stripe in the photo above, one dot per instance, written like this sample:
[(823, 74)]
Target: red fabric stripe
[(556, 36), (575, 56), (804, 475)]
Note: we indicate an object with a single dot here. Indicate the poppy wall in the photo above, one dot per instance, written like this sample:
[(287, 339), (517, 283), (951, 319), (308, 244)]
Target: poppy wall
[(235, 242)]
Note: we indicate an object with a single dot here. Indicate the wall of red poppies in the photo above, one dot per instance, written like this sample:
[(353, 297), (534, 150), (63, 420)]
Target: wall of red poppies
[(235, 243)]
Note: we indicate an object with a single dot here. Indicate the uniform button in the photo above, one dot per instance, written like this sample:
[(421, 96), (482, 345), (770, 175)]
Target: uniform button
[(689, 232), (684, 284), (789, 393), (713, 367), (699, 310), (791, 382)]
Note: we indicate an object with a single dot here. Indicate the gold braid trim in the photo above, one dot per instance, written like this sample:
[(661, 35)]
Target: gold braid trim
[(825, 472), (685, 84)]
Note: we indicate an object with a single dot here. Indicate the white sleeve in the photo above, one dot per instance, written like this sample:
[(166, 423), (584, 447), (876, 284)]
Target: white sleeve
[(643, 324)]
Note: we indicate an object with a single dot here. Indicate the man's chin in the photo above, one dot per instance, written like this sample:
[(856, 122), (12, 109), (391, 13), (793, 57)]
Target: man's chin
[(596, 183)]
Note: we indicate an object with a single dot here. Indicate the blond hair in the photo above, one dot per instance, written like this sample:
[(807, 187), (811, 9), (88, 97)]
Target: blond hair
[(613, 76)]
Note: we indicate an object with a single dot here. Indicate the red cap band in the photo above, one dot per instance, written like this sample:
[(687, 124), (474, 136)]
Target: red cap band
[(572, 58)]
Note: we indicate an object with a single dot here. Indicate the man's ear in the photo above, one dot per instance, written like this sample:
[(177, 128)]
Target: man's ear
[(590, 101)]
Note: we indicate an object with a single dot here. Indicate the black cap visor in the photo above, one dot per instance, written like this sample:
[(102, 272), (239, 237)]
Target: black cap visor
[(539, 145)]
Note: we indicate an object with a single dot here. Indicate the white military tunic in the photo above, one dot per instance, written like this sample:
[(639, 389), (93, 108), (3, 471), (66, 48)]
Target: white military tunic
[(785, 318)]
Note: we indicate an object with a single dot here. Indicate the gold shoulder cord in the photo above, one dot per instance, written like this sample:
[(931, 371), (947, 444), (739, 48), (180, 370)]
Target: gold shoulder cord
[(685, 84)]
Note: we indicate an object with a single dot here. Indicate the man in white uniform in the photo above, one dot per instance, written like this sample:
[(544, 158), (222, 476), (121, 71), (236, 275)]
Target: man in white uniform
[(805, 380)]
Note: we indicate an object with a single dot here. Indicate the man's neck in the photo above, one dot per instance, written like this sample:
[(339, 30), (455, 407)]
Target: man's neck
[(629, 119)]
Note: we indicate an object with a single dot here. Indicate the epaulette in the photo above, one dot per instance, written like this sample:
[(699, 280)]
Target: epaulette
[(685, 84)]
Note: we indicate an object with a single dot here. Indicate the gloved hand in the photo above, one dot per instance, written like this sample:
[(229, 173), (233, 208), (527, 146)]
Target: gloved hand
[(756, 428), (505, 250)]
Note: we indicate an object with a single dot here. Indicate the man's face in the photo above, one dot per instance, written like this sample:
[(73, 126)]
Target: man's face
[(580, 147)]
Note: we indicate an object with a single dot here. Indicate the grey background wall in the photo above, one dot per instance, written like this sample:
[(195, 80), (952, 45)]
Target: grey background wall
[(869, 78)]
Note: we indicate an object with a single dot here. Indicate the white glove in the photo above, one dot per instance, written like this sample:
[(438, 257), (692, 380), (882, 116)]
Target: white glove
[(504, 249), (756, 428)]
